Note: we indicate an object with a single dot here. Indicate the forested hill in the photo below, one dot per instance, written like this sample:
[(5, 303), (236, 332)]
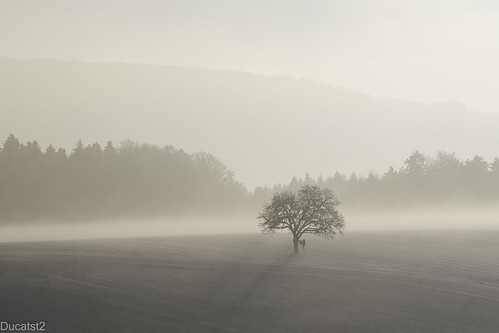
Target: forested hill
[(267, 129), (129, 180), (136, 181), (439, 182)]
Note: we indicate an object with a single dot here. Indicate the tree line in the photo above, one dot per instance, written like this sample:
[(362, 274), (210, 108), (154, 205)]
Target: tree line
[(422, 180), (131, 180), (124, 181)]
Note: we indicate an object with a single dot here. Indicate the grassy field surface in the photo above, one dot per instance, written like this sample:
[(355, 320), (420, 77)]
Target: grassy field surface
[(411, 281)]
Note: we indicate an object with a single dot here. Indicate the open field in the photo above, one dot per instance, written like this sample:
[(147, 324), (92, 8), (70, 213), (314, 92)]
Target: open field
[(411, 281)]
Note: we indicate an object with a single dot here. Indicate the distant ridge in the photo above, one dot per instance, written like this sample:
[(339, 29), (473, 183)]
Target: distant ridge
[(266, 128)]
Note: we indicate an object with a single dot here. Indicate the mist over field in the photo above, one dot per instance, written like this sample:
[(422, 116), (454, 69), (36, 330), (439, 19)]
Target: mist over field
[(260, 166), (457, 219)]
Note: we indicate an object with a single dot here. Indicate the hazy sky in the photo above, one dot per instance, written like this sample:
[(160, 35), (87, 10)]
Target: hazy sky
[(424, 50)]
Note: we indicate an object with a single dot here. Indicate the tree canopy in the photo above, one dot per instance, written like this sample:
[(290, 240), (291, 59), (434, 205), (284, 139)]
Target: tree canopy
[(422, 180), (311, 210), (124, 181)]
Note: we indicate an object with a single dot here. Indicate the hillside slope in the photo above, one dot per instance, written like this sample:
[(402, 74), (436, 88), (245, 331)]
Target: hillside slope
[(266, 129)]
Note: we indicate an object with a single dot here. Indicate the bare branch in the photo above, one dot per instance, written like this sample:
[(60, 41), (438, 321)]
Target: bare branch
[(311, 210)]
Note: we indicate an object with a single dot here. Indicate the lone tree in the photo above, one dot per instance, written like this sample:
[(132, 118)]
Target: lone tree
[(311, 210)]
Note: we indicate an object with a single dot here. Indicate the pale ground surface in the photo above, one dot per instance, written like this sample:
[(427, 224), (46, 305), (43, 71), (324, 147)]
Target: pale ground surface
[(397, 281)]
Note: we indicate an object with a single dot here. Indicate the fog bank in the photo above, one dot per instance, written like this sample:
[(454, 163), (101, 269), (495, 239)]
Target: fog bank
[(125, 229), (480, 218)]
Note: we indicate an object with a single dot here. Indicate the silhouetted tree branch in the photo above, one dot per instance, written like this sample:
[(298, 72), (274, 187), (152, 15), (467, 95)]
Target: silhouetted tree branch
[(311, 210)]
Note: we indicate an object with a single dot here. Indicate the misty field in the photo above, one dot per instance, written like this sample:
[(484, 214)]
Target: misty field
[(413, 281)]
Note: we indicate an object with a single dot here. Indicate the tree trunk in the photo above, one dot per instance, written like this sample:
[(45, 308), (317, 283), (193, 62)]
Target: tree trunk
[(295, 243)]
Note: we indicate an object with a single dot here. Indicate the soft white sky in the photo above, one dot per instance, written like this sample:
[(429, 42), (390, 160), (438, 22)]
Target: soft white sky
[(424, 50)]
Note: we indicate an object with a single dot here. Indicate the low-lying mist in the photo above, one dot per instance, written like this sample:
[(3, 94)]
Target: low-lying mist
[(421, 218), (126, 229), (424, 218)]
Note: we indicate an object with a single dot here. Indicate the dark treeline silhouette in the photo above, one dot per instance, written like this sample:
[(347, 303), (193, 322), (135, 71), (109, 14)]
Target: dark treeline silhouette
[(141, 180), (127, 180), (422, 180)]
